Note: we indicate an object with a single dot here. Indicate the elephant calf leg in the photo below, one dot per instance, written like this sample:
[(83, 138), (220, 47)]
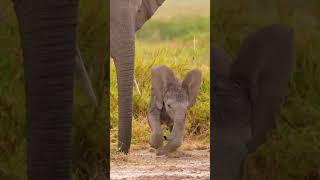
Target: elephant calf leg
[(170, 147), (156, 136), (175, 139), (156, 139)]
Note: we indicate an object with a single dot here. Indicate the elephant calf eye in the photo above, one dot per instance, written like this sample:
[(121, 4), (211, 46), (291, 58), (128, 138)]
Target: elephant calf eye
[(169, 106)]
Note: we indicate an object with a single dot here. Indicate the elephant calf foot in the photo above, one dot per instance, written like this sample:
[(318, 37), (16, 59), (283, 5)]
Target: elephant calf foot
[(156, 140), (168, 148)]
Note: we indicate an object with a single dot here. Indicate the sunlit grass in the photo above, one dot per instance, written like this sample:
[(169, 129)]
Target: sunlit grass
[(174, 8)]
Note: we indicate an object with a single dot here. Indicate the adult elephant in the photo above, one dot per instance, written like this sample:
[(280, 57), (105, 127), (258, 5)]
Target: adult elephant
[(127, 16), (48, 40), (248, 96)]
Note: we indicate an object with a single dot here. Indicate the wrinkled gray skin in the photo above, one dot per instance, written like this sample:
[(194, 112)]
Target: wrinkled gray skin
[(171, 97), (126, 17), (248, 97), (48, 41)]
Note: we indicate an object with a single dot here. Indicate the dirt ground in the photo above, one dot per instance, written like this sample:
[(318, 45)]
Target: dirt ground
[(143, 164)]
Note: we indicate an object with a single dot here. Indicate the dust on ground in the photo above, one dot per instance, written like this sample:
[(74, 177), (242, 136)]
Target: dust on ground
[(143, 164)]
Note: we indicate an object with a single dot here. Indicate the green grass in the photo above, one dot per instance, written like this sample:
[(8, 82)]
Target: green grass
[(89, 123), (171, 9), (12, 111), (293, 151), (181, 42)]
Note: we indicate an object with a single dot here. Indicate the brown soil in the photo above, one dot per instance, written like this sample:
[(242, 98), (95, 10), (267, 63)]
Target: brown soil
[(143, 164)]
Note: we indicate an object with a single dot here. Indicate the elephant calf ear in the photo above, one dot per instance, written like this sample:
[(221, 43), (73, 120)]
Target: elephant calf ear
[(191, 83), (161, 77)]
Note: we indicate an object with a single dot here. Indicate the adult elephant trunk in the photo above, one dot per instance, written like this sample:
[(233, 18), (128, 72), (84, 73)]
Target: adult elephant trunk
[(125, 71), (48, 43), (122, 51), (126, 17)]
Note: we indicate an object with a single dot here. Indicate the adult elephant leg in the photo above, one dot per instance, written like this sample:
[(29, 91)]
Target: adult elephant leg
[(48, 42)]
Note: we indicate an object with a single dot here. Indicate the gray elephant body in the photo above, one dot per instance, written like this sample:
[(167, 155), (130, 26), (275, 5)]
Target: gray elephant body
[(248, 96), (171, 97), (48, 41), (126, 17), (231, 126)]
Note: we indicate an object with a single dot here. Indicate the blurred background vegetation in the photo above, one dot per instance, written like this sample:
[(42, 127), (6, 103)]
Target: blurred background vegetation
[(89, 123), (178, 37), (293, 151)]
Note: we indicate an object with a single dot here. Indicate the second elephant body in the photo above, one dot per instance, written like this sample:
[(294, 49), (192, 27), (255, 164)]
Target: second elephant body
[(248, 95)]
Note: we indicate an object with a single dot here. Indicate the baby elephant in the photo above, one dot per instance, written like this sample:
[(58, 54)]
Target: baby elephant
[(171, 97)]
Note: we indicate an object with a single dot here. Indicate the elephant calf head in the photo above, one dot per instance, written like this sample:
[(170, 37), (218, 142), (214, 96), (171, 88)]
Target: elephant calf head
[(171, 98)]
